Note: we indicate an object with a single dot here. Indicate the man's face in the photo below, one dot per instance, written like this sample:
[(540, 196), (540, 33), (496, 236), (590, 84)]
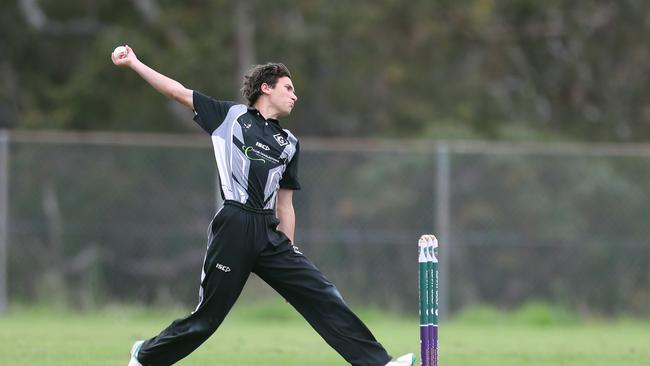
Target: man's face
[(282, 97)]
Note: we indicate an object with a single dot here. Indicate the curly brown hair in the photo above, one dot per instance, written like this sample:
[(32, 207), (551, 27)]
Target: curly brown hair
[(268, 73)]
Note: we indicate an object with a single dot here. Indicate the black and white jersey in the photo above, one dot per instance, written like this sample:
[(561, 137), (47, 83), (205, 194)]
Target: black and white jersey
[(255, 156)]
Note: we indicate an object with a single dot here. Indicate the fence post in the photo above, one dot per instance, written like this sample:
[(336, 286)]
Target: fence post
[(4, 216), (442, 228)]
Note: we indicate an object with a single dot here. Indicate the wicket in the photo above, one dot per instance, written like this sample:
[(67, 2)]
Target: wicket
[(428, 286)]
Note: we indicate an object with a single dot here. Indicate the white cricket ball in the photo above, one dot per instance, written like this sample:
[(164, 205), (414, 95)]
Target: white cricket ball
[(119, 51)]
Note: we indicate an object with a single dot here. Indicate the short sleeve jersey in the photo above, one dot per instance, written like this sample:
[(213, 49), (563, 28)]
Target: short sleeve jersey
[(255, 156)]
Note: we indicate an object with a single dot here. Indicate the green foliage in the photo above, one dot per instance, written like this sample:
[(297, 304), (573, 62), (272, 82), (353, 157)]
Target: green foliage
[(531, 313), (553, 69), (480, 315), (542, 314)]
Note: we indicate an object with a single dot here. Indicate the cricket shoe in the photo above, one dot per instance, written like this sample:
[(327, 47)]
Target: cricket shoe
[(134, 354), (406, 360)]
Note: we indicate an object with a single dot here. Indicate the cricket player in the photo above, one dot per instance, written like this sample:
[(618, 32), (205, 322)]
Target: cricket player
[(257, 161)]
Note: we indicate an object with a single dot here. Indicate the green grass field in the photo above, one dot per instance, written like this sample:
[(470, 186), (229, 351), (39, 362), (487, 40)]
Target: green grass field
[(272, 334)]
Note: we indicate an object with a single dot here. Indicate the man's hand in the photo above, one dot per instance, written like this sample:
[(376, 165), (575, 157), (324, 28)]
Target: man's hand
[(125, 59)]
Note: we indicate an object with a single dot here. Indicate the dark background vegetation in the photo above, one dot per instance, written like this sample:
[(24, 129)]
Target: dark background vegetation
[(107, 223), (516, 69)]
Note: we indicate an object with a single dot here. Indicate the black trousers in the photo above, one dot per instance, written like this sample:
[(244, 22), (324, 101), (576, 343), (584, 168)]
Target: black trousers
[(244, 240)]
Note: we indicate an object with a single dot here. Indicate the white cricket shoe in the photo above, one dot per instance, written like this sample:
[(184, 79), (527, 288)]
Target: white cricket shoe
[(134, 354), (406, 360)]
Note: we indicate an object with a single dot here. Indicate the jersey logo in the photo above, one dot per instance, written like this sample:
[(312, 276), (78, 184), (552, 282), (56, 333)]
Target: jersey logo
[(254, 154), (222, 267), (280, 139), (247, 149), (262, 146), (245, 123)]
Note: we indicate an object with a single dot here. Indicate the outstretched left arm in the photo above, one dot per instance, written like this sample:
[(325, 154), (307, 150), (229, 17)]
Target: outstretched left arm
[(285, 212)]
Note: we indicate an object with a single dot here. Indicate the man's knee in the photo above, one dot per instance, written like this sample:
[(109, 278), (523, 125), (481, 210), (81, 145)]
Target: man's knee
[(333, 291)]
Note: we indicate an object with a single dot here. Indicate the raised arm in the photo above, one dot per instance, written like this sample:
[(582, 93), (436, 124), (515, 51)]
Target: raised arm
[(165, 85)]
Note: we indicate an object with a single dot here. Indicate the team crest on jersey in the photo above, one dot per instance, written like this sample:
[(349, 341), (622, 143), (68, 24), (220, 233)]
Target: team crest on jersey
[(280, 139), (245, 123)]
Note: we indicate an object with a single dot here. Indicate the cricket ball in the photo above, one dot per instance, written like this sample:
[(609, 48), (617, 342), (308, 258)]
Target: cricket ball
[(120, 52)]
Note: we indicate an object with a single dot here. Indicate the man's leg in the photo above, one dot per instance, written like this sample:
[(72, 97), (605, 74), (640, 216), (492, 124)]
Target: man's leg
[(226, 268), (293, 276)]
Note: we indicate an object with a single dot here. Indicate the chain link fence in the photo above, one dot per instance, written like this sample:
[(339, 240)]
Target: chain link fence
[(95, 218)]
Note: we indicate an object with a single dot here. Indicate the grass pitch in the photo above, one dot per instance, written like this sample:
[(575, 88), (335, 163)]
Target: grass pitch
[(273, 334)]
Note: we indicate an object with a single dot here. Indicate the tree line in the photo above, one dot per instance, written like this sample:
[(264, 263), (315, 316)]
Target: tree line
[(514, 69)]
